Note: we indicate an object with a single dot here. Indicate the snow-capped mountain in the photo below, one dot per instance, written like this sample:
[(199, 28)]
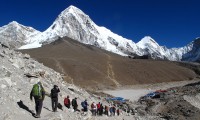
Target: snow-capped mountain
[(74, 23), (15, 34), (150, 47), (194, 53)]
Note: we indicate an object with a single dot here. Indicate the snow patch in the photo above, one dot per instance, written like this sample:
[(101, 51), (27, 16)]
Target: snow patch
[(31, 46)]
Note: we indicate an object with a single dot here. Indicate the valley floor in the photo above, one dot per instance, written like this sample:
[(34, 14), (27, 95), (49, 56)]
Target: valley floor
[(134, 92), (179, 100)]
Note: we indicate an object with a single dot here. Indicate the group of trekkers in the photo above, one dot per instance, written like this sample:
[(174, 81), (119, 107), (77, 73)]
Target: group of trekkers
[(99, 109), (38, 93), (96, 109)]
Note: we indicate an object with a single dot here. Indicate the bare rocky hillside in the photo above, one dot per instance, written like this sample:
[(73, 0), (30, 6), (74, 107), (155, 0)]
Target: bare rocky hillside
[(93, 68)]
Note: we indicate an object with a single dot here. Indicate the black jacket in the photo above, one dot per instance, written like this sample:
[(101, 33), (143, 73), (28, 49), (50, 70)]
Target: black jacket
[(54, 92)]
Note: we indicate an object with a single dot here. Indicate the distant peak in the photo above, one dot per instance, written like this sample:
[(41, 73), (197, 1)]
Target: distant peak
[(148, 39), (14, 23), (197, 38), (72, 9)]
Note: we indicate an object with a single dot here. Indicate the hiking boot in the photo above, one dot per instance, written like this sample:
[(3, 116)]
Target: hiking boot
[(37, 116)]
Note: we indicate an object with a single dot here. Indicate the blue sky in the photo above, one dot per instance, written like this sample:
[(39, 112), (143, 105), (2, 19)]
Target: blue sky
[(173, 23)]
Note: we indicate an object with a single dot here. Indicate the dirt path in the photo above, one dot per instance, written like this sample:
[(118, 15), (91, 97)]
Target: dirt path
[(59, 66), (110, 72)]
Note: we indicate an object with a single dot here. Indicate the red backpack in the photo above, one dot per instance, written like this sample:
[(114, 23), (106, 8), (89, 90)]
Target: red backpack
[(92, 105), (98, 106), (66, 101)]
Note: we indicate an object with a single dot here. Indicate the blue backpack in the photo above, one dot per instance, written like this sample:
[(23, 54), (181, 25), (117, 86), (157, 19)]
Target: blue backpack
[(83, 104)]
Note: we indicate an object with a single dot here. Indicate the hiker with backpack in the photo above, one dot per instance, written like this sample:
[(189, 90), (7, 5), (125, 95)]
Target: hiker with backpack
[(38, 93), (98, 108), (118, 112), (101, 110), (67, 102), (54, 97), (84, 104), (113, 110), (74, 104), (93, 109), (106, 110)]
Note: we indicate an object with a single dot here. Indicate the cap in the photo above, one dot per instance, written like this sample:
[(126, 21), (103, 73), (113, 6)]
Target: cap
[(39, 83)]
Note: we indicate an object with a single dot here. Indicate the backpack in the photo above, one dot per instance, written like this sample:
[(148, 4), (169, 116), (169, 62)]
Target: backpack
[(66, 101), (92, 105), (37, 90), (82, 104), (73, 102), (54, 93), (98, 105)]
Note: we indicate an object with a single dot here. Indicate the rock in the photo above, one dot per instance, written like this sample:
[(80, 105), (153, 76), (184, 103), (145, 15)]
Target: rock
[(15, 65), (11, 60), (26, 56), (8, 74), (5, 44), (8, 80), (2, 55), (141, 111), (3, 86)]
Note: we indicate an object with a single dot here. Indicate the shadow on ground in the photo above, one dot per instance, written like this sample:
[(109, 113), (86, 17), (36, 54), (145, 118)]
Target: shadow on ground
[(21, 105)]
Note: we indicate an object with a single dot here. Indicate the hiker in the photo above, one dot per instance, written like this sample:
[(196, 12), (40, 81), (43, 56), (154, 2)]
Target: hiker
[(98, 108), (67, 102), (94, 109), (118, 112), (101, 110), (113, 110), (106, 110), (84, 104), (38, 93), (74, 104), (54, 97)]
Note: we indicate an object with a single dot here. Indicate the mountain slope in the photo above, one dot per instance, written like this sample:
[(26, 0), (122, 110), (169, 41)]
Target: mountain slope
[(15, 34), (16, 83), (94, 68), (194, 54)]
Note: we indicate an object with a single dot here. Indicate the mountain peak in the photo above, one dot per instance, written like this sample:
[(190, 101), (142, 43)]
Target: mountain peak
[(197, 38), (71, 9), (146, 41), (14, 23)]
